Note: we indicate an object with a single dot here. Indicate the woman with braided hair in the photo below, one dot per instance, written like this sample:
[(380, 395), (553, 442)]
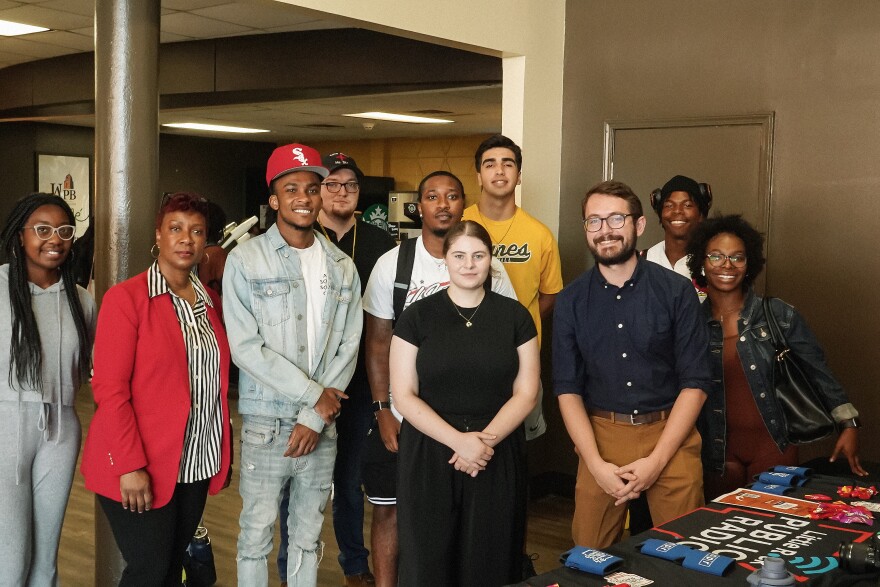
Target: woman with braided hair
[(48, 322)]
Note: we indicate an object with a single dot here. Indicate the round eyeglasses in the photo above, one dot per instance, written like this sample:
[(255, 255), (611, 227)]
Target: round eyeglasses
[(614, 221), (718, 259), (45, 231), (351, 187)]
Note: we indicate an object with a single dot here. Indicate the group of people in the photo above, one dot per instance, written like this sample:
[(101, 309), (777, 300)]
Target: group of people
[(410, 373), (664, 396)]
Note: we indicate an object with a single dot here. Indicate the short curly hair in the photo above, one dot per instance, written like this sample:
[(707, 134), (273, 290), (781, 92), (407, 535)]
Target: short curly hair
[(731, 224), (182, 202)]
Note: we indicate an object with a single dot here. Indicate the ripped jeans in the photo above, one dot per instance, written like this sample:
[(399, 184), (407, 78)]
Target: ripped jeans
[(264, 471)]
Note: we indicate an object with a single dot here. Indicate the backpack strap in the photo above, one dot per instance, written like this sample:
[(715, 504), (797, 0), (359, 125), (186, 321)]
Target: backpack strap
[(405, 261)]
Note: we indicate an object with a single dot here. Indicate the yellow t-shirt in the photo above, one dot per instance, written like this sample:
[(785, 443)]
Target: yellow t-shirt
[(529, 253)]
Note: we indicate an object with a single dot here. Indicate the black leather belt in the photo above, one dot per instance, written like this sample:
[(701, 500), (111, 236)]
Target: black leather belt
[(633, 419)]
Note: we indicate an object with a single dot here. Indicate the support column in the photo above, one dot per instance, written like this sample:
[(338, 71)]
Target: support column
[(126, 136), (126, 171)]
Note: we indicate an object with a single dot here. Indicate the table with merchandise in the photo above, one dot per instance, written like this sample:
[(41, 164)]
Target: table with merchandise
[(814, 529)]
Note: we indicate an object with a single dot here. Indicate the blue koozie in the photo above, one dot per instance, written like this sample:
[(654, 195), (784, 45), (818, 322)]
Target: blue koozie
[(799, 471), (775, 489), (776, 478), (590, 560), (706, 562)]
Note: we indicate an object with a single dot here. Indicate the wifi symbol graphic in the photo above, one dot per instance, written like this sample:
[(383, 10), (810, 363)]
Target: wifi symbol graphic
[(814, 565)]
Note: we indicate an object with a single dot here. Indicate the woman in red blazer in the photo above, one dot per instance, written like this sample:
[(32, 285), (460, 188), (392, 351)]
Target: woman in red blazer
[(159, 441)]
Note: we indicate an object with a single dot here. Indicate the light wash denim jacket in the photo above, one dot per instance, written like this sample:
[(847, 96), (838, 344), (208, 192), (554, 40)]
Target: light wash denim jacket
[(264, 306), (757, 354)]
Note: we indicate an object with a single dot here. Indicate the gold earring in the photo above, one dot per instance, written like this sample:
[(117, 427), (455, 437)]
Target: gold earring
[(207, 257), (156, 254)]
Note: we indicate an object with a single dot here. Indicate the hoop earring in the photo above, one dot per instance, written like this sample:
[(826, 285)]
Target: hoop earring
[(156, 254), (703, 271), (207, 257)]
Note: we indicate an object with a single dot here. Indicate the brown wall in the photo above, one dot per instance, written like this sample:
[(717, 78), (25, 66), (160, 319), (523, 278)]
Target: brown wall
[(813, 63), (19, 145), (409, 160), (213, 167)]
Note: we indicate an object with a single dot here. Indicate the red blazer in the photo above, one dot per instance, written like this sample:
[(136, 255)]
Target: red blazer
[(141, 388)]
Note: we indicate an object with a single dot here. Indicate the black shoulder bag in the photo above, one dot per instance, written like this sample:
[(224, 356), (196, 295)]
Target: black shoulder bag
[(806, 419)]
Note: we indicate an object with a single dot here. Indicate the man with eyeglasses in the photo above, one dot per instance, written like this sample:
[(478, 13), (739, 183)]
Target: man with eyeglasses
[(630, 370), (364, 243)]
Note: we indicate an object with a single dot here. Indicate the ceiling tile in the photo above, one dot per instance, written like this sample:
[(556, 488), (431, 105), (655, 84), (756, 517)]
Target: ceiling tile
[(7, 56), (199, 27), (67, 39), (81, 7), (191, 4), (312, 25), (88, 31), (46, 17), (172, 38), (260, 16), (20, 46)]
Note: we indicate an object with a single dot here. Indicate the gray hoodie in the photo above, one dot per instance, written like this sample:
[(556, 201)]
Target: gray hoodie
[(61, 373)]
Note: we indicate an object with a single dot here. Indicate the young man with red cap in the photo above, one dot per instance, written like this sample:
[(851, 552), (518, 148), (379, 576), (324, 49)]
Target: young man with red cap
[(292, 304), (364, 243)]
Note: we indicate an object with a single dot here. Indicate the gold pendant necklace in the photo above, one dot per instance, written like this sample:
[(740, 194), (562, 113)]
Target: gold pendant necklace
[(467, 321), (354, 236), (509, 226)]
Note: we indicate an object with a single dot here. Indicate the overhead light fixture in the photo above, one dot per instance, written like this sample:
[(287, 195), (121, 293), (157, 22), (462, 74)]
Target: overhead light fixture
[(400, 118), (214, 127), (13, 29)]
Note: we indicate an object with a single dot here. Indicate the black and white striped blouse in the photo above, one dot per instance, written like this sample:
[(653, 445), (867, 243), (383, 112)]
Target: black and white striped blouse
[(204, 427)]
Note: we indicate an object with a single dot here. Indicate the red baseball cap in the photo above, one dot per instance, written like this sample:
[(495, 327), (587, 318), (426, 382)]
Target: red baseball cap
[(295, 157)]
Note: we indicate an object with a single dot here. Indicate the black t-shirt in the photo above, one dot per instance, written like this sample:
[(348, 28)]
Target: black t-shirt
[(466, 371), (370, 243)]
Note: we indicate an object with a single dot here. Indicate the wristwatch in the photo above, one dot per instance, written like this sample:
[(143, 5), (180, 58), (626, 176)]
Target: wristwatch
[(850, 423), (380, 405)]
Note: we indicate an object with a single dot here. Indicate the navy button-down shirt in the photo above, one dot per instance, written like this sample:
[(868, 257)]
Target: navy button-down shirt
[(630, 349)]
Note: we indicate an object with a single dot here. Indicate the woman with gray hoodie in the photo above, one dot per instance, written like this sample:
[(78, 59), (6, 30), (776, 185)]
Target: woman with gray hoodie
[(48, 323)]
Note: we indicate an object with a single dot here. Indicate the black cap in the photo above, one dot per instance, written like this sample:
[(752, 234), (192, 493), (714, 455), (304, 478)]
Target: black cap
[(335, 161), (702, 196)]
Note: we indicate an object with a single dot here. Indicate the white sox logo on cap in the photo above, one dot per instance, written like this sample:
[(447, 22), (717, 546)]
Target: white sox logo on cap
[(298, 155), (290, 158)]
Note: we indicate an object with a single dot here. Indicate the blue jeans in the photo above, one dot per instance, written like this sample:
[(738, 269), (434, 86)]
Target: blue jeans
[(352, 426), (264, 472)]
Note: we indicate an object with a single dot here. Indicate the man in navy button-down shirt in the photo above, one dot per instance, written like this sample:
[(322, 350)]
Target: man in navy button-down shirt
[(630, 368)]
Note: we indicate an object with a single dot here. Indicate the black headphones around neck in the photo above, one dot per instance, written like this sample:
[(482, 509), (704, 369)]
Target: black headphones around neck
[(705, 197)]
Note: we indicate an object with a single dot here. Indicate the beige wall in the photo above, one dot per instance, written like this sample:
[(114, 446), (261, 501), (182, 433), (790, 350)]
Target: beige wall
[(814, 63), (409, 160)]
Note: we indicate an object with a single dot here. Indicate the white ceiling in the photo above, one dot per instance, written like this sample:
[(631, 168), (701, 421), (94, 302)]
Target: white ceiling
[(474, 110)]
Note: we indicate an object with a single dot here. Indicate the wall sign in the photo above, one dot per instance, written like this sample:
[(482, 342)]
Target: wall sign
[(69, 178)]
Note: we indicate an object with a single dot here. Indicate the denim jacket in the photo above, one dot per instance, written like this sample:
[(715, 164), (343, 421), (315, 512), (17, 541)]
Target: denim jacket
[(264, 305), (756, 352)]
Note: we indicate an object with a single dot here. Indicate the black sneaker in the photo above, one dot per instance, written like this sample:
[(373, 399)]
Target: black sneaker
[(528, 566)]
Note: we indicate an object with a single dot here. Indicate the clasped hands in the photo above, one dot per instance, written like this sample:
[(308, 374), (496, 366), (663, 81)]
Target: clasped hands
[(627, 483), (303, 439), (473, 451)]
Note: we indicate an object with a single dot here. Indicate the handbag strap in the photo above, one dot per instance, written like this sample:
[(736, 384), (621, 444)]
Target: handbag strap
[(776, 336)]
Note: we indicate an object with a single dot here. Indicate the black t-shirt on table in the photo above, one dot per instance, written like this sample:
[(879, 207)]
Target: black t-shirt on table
[(466, 370)]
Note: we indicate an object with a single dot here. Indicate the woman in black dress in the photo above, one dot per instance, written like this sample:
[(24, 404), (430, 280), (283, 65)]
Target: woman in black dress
[(464, 374)]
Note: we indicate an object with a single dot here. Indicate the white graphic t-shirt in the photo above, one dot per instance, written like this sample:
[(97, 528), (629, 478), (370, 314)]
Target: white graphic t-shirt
[(429, 275), (314, 270)]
